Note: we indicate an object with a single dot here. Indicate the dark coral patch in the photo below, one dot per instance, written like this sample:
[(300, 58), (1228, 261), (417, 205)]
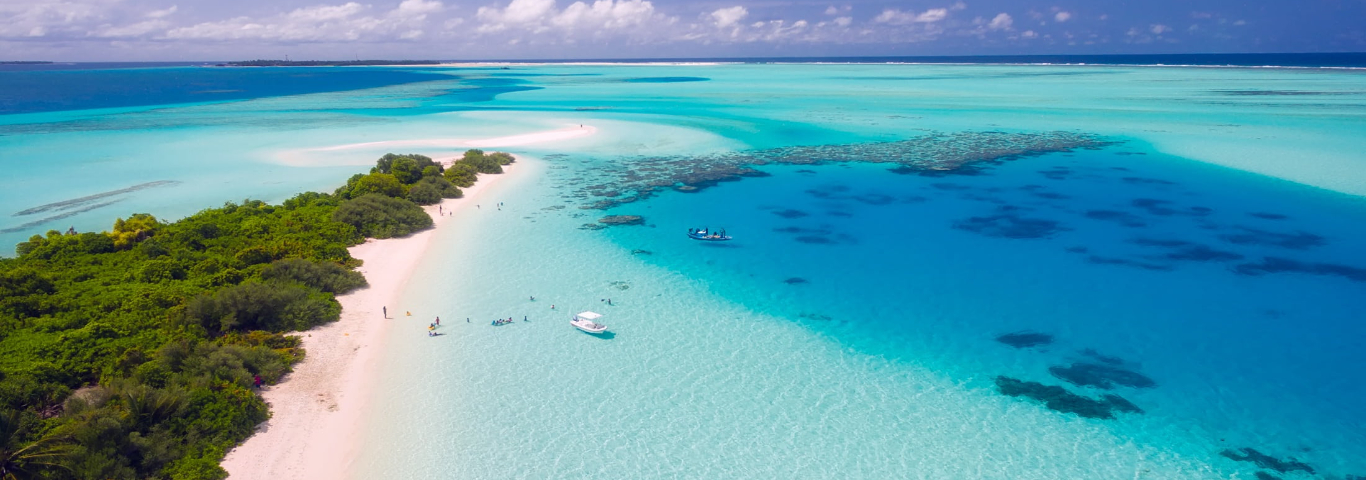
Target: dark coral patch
[(1100, 376), (1009, 226), (815, 240), (795, 281), (1181, 250), (1268, 216), (1146, 181), (1293, 241), (1265, 476), (1057, 173), (1025, 339), (1266, 461), (1201, 253), (1059, 399), (790, 213), (1162, 208), (1285, 265), (1099, 260), (1121, 404), (1100, 357), (1051, 196), (875, 199), (950, 186), (1122, 218)]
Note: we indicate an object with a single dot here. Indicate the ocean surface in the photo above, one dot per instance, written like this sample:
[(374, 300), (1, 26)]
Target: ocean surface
[(938, 271)]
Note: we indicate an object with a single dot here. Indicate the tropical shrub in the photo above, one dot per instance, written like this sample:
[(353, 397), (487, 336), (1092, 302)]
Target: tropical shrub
[(379, 216)]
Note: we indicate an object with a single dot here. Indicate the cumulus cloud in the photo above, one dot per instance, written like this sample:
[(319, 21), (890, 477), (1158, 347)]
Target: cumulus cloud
[(1028, 34), (843, 21), (320, 23), (1062, 17), (1159, 29), (22, 19), (602, 18), (161, 13), (894, 16), (725, 17), (1001, 21)]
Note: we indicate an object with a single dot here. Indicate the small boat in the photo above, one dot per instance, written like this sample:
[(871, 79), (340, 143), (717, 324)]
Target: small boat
[(585, 321), (708, 236)]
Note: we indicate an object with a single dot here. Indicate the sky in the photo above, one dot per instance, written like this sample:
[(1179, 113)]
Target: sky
[(177, 30)]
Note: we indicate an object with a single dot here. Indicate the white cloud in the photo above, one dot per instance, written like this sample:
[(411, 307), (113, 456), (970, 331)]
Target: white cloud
[(418, 9), (1159, 29), (19, 19), (1001, 21), (1028, 34), (1062, 17), (319, 23), (894, 16), (161, 13), (539, 20), (725, 17), (833, 10), (843, 21)]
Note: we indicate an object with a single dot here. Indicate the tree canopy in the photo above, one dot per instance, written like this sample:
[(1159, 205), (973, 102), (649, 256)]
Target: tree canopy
[(132, 353)]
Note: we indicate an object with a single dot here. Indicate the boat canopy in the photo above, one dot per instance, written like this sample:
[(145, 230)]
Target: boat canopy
[(588, 316)]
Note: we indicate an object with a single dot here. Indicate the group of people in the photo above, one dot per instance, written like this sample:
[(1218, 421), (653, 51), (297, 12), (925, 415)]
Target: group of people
[(507, 321), (431, 328)]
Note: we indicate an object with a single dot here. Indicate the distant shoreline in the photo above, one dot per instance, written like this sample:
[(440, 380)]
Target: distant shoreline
[(1332, 61)]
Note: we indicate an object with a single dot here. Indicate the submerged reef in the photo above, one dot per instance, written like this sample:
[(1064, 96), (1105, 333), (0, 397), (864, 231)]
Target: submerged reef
[(1101, 376), (1285, 265), (1059, 399), (1292, 241), (1266, 461), (1008, 225), (622, 220), (931, 153), (1025, 339)]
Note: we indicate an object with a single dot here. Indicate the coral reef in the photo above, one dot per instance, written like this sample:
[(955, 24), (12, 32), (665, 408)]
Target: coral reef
[(614, 220), (1025, 339), (1100, 376), (1266, 461), (1059, 399), (932, 153)]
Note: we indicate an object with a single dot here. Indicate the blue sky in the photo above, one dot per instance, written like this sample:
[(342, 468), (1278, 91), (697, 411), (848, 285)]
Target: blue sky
[(175, 30)]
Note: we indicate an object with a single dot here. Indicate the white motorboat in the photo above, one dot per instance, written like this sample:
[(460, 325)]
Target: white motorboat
[(585, 321)]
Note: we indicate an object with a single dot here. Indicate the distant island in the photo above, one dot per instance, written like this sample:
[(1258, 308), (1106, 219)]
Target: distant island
[(25, 62), (327, 63)]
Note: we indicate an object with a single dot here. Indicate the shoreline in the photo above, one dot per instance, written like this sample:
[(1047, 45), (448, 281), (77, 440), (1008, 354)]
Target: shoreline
[(316, 410)]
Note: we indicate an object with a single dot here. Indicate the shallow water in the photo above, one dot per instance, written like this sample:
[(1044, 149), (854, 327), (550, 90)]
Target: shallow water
[(851, 328)]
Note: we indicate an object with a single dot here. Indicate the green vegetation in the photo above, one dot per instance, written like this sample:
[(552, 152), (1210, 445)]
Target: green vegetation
[(133, 353), (413, 177)]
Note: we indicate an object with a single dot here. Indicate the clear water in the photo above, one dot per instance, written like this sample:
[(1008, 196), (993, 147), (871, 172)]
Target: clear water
[(882, 362)]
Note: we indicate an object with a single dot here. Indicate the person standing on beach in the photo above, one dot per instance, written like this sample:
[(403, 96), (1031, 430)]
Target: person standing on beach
[(385, 310), (438, 321)]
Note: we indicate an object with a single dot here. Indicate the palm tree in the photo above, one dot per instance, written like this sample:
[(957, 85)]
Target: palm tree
[(28, 461)]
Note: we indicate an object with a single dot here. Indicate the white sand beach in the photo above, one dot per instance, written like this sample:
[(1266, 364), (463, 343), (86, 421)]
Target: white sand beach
[(317, 410)]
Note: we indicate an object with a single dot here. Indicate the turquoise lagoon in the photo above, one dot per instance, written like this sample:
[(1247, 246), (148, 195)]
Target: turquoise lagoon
[(1207, 267)]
